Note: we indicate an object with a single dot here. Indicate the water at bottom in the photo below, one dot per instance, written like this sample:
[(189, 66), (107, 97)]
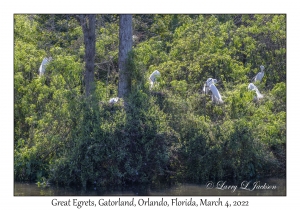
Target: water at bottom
[(267, 187)]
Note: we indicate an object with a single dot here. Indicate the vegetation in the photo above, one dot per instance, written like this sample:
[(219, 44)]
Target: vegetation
[(173, 133)]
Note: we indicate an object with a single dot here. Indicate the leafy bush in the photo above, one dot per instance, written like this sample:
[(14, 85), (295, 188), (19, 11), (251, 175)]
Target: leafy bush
[(170, 133)]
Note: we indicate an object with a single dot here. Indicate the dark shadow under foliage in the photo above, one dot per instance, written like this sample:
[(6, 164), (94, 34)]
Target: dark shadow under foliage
[(116, 145)]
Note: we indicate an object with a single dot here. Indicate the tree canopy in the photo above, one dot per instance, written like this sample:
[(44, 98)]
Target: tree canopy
[(171, 133)]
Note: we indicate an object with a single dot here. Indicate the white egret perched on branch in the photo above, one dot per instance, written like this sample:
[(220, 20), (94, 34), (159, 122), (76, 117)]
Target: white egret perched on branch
[(43, 65), (135, 38), (208, 82), (113, 100), (216, 97), (260, 74), (258, 96), (153, 77), (209, 86), (206, 85)]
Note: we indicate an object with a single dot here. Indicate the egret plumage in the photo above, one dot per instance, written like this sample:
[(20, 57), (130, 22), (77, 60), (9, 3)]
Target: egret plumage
[(113, 100), (205, 89), (209, 86), (153, 77), (208, 82), (135, 38), (260, 74), (206, 85), (216, 96), (258, 96), (43, 65)]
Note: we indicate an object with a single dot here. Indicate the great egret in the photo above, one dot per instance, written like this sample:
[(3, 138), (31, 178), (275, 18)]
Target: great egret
[(258, 96), (113, 100), (216, 97), (135, 38), (43, 65), (260, 74), (153, 77), (209, 86), (206, 85), (208, 82)]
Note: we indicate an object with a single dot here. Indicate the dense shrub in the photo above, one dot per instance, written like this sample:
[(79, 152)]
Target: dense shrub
[(170, 133)]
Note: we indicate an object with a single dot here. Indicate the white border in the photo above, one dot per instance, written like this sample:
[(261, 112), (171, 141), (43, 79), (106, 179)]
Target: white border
[(8, 8)]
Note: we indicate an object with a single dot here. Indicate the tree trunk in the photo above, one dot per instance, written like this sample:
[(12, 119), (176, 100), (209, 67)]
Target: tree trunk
[(88, 27), (125, 46)]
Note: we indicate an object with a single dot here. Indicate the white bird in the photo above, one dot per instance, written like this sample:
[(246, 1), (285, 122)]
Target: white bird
[(135, 38), (113, 100), (206, 85), (208, 82), (209, 86), (216, 97), (260, 74), (43, 65), (153, 77), (258, 96)]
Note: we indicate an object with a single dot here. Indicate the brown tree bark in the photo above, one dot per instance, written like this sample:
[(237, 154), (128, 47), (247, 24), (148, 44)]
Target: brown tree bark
[(88, 27), (125, 46)]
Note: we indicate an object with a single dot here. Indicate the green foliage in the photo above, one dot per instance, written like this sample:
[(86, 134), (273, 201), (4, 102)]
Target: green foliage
[(114, 145), (170, 133)]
